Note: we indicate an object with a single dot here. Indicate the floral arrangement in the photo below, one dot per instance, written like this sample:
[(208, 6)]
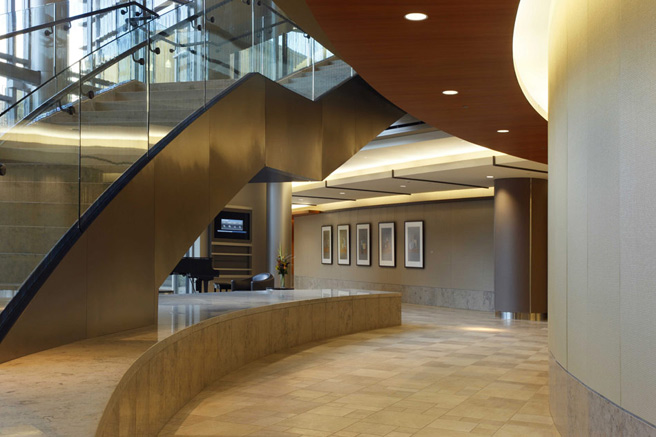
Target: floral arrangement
[(282, 262)]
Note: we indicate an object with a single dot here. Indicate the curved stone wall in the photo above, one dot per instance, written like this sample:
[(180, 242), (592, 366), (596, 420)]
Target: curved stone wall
[(602, 221), (176, 369)]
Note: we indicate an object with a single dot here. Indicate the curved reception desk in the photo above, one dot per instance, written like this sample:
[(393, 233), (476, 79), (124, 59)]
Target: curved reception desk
[(132, 383)]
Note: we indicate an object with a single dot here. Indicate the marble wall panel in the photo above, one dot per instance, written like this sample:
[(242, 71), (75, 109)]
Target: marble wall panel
[(420, 295), (577, 410)]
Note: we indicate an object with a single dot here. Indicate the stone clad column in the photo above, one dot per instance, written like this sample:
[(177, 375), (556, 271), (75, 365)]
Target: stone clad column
[(520, 248), (279, 225)]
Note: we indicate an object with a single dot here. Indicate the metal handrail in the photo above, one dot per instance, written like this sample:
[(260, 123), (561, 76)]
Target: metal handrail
[(78, 17), (158, 36)]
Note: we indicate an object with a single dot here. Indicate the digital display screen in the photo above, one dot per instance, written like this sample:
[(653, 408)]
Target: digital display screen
[(233, 225)]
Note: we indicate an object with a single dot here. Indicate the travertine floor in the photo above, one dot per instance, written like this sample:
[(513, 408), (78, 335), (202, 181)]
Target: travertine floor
[(443, 373)]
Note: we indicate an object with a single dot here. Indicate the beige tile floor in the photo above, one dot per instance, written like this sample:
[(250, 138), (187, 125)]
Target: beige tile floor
[(442, 373)]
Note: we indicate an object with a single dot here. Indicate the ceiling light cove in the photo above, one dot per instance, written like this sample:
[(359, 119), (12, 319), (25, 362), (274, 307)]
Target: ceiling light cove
[(416, 16), (449, 92), (503, 131)]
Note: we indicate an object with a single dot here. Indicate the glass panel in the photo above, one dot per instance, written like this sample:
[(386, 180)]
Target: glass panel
[(329, 72), (114, 132), (228, 41), (177, 85), (39, 194), (22, 19)]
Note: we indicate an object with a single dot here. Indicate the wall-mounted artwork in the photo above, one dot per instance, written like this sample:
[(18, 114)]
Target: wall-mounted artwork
[(414, 244), (343, 249), (326, 245), (363, 241), (386, 250)]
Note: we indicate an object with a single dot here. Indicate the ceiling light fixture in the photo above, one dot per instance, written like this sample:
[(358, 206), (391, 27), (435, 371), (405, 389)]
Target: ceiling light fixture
[(416, 16), (449, 92), (402, 186), (490, 177), (503, 131), (341, 192)]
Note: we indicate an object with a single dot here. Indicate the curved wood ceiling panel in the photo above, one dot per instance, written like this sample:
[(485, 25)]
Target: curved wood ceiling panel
[(464, 45)]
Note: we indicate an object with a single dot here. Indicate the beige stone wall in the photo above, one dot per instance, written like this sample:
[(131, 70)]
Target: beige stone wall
[(602, 234), (458, 251), (173, 371)]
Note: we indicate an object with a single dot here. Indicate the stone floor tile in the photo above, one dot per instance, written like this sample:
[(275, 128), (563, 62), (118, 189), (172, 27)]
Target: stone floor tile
[(443, 373)]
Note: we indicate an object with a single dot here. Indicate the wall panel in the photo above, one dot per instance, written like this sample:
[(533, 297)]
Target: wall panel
[(637, 136), (458, 252), (602, 208)]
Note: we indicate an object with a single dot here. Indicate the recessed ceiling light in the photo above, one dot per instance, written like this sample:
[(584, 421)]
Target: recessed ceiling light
[(490, 177), (449, 92), (503, 131), (341, 192), (416, 16), (402, 186)]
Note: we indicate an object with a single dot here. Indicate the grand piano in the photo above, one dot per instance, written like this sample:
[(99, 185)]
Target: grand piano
[(198, 268)]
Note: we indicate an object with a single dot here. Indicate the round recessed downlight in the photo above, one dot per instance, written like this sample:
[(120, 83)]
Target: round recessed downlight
[(503, 131), (402, 186), (450, 92), (341, 192), (416, 16)]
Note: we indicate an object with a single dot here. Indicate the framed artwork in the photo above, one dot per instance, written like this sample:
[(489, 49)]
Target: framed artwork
[(386, 250), (343, 249), (363, 241), (414, 244), (326, 245)]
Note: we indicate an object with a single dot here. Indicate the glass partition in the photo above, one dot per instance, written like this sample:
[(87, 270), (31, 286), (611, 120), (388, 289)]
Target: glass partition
[(68, 139)]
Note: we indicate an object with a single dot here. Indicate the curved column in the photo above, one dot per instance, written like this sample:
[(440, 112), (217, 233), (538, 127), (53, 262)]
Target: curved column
[(279, 225), (520, 248), (602, 224)]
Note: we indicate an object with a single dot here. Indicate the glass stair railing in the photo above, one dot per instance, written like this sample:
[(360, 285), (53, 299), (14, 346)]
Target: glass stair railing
[(38, 43), (67, 141)]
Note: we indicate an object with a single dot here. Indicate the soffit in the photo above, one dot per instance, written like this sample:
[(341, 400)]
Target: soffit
[(461, 174), (464, 45)]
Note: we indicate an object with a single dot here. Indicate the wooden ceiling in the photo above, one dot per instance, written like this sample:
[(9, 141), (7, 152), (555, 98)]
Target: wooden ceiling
[(464, 45)]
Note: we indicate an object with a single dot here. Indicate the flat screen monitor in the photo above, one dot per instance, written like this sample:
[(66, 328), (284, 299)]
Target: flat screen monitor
[(233, 225)]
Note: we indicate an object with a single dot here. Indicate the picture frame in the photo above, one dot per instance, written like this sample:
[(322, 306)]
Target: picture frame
[(386, 245), (343, 245), (414, 244), (363, 244), (326, 244)]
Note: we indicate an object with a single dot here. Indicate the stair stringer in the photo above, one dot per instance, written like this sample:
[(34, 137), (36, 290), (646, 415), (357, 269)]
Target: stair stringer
[(103, 276)]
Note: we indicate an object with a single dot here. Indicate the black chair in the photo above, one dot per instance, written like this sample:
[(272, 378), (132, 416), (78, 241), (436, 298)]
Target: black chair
[(261, 281)]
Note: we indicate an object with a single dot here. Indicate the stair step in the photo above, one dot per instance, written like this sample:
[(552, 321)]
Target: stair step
[(29, 239), (198, 96), (140, 105), (198, 85)]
